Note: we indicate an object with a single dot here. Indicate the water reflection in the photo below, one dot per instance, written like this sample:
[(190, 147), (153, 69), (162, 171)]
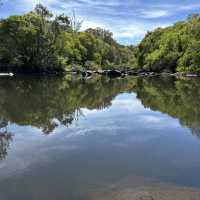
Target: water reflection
[(5, 139), (46, 103), (178, 98), (98, 138)]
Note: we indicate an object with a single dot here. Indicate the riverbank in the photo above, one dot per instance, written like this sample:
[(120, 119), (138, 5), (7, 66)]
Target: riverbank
[(140, 73), (112, 73)]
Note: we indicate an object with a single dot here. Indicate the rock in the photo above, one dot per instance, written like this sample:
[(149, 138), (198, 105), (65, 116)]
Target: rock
[(132, 73), (192, 75), (114, 73), (100, 71), (142, 71), (74, 73), (105, 72), (87, 73), (143, 74), (167, 74), (147, 74), (187, 75), (152, 74)]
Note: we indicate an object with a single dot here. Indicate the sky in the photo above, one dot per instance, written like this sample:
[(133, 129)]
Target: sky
[(129, 20)]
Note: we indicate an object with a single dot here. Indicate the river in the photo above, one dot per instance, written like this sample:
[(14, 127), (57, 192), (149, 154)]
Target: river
[(101, 139)]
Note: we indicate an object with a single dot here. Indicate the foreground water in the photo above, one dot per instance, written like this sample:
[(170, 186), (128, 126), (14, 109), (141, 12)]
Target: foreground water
[(68, 138)]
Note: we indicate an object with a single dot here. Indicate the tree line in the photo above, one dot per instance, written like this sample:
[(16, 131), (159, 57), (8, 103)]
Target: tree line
[(172, 49), (40, 42)]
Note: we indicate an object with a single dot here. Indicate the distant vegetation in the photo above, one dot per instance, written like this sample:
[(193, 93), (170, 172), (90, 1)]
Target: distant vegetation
[(41, 42), (175, 48)]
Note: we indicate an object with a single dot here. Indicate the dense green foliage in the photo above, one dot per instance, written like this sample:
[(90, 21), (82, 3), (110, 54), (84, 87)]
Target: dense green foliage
[(39, 41), (171, 49)]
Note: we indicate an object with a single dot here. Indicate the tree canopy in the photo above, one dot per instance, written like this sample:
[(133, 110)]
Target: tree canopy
[(39, 41), (172, 49)]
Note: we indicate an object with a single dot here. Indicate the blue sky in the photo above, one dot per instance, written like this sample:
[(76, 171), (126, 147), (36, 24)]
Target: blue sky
[(129, 20)]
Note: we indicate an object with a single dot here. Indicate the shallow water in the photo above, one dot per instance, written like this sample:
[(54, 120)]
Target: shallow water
[(67, 138)]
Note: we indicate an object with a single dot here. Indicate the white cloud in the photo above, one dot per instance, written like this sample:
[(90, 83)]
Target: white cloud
[(129, 20), (92, 24), (87, 111), (150, 14), (189, 7)]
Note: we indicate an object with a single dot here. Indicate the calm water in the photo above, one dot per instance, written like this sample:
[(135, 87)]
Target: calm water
[(66, 138)]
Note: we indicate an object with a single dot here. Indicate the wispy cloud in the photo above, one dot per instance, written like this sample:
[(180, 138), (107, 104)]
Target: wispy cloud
[(129, 20), (150, 14)]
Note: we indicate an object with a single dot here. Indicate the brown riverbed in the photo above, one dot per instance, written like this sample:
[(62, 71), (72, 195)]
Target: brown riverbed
[(140, 188)]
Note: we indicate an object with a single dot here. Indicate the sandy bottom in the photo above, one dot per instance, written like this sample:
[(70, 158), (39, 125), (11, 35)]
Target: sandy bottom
[(138, 188)]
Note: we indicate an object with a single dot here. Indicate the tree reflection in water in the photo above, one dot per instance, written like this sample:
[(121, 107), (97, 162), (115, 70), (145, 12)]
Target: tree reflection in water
[(46, 103), (179, 98), (5, 139)]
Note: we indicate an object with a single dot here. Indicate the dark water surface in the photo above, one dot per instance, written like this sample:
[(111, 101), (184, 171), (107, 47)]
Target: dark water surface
[(63, 138)]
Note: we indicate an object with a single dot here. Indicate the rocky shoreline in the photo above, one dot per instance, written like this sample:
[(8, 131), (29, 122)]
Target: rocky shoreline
[(109, 73), (114, 73), (140, 73)]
